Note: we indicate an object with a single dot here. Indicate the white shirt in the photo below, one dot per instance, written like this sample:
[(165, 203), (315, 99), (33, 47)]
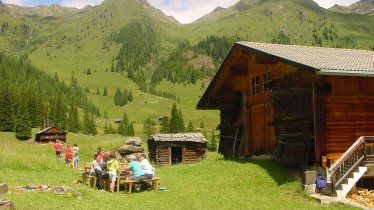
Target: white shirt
[(146, 166)]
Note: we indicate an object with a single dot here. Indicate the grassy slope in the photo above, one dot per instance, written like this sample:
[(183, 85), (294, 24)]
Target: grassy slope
[(65, 58), (212, 184), (270, 16)]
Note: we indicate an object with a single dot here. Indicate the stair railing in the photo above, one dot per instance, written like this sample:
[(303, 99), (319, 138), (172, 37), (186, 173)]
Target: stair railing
[(361, 151)]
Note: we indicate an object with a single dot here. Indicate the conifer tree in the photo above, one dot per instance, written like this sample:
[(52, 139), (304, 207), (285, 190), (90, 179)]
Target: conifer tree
[(190, 127), (202, 125), (97, 91), (180, 122), (105, 93), (121, 130), (174, 120), (74, 119), (106, 129), (131, 131), (213, 142), (130, 98), (23, 122), (149, 127), (7, 115), (164, 126)]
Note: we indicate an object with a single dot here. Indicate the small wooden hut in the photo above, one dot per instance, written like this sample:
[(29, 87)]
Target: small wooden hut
[(50, 134), (167, 149)]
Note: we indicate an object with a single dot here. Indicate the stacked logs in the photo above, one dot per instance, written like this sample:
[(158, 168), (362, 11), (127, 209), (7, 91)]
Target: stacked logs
[(362, 196)]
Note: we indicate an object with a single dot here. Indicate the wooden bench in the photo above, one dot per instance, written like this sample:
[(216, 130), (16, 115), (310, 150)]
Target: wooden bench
[(154, 182)]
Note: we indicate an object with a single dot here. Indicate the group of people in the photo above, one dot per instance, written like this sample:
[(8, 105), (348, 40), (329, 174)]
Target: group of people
[(71, 155), (105, 165)]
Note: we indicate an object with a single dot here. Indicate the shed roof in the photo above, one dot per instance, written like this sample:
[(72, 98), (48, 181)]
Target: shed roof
[(48, 128), (321, 59), (181, 137)]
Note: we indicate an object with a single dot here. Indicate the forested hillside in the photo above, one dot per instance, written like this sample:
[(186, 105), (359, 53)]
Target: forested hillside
[(30, 98)]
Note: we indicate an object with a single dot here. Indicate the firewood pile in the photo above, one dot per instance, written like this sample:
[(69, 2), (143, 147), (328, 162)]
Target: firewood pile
[(362, 196)]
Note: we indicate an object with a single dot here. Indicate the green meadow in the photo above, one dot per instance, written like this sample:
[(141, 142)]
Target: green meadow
[(215, 183)]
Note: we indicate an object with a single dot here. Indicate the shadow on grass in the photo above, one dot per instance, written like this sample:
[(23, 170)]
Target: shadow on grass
[(279, 175)]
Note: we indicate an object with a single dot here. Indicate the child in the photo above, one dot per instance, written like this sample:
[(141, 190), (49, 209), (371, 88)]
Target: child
[(68, 155), (76, 156), (112, 169), (100, 155)]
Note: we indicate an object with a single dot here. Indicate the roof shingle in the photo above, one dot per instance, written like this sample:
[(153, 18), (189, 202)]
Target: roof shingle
[(324, 60)]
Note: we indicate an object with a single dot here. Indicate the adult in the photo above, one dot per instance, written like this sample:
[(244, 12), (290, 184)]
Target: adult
[(68, 155), (146, 167), (93, 165), (100, 171), (57, 146), (112, 170), (134, 167)]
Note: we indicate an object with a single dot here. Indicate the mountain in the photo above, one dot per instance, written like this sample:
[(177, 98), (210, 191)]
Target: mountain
[(127, 45), (360, 7), (53, 10)]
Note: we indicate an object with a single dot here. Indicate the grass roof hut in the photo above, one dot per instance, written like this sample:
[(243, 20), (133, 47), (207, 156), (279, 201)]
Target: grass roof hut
[(167, 149)]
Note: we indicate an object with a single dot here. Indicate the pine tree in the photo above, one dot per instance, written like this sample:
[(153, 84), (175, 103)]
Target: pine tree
[(174, 120), (86, 122), (74, 119), (149, 127), (7, 114), (202, 125), (130, 98), (97, 91), (213, 142), (23, 122), (106, 131), (105, 93), (131, 131), (121, 130), (190, 127), (180, 122), (164, 126)]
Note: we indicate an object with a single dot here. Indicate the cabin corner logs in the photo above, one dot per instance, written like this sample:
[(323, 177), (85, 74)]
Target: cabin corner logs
[(271, 105)]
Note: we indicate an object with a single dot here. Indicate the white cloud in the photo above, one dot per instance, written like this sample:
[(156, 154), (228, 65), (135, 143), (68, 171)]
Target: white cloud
[(80, 3), (16, 2), (187, 11), (329, 3)]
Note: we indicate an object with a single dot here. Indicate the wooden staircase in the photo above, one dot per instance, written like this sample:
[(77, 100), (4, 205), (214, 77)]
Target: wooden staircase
[(350, 167)]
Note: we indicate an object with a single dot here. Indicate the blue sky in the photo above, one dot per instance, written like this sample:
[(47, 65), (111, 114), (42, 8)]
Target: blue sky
[(185, 11)]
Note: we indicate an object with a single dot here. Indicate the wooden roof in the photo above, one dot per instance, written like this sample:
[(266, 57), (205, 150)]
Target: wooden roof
[(179, 137), (49, 128), (319, 60)]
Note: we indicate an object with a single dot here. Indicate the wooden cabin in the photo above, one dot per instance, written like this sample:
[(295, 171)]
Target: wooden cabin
[(50, 134), (297, 103), (169, 149)]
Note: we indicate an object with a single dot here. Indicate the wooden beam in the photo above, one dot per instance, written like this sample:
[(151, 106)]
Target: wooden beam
[(265, 60)]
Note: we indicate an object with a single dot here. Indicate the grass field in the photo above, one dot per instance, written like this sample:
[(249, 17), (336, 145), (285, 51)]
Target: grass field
[(215, 183)]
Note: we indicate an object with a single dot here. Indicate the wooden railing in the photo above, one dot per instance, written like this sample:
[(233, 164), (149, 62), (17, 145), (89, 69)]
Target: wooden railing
[(362, 151)]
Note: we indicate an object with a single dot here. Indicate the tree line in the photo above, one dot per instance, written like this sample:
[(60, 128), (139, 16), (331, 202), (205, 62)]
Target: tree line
[(29, 98)]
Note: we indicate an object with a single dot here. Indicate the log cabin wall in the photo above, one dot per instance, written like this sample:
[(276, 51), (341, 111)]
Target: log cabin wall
[(349, 113), (160, 152)]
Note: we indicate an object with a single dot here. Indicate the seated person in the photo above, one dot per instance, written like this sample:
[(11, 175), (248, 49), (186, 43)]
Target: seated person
[(134, 167), (146, 166), (93, 165)]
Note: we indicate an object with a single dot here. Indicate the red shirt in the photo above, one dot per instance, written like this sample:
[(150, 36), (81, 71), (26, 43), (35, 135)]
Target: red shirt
[(57, 147), (68, 154)]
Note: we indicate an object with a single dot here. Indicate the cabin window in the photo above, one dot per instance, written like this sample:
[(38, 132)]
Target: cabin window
[(267, 80), (255, 85)]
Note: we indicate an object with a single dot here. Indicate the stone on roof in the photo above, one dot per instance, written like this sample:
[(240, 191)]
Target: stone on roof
[(324, 60), (180, 137)]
